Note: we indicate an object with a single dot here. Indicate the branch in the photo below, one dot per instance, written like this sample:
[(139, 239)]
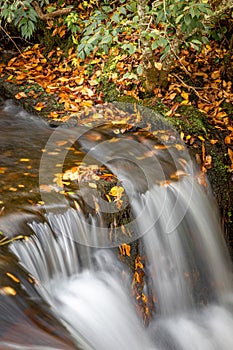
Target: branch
[(12, 40), (50, 15)]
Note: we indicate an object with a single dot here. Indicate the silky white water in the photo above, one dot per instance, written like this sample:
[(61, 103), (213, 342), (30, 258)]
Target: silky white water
[(87, 291)]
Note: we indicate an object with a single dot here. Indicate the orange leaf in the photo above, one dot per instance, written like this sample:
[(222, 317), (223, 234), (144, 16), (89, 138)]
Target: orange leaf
[(124, 249), (39, 106), (215, 74), (21, 76), (20, 95), (228, 139)]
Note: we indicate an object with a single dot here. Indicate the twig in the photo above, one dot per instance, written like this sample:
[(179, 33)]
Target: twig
[(190, 87), (12, 40)]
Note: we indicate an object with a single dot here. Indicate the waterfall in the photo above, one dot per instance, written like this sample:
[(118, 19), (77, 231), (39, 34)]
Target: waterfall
[(85, 288), (64, 286)]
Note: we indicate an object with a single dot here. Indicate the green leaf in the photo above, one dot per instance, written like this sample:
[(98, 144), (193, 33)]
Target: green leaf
[(194, 46), (187, 19), (139, 69), (179, 18), (154, 45), (195, 41), (33, 15), (129, 75), (82, 55), (192, 12), (166, 51), (106, 39), (51, 9), (122, 10), (130, 48), (116, 18)]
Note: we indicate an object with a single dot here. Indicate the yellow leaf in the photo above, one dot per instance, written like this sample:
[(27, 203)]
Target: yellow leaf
[(24, 160), (7, 290), (13, 277), (39, 106), (137, 278), (201, 138), (87, 103), (116, 191), (10, 77), (13, 189), (158, 65), (185, 95), (184, 102)]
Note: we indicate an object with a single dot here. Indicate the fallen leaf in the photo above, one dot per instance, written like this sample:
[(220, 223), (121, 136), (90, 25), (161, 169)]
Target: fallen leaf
[(158, 65), (24, 160), (116, 191), (92, 185), (20, 95), (125, 249), (185, 95)]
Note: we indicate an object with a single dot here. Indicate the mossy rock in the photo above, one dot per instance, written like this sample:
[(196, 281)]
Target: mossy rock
[(191, 121)]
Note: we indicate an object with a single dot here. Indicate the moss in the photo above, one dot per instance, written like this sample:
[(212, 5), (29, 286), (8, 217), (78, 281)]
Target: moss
[(228, 107), (110, 66), (155, 105), (109, 89), (218, 175), (191, 121), (128, 99)]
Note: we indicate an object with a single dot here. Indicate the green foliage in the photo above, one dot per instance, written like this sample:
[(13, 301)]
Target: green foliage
[(167, 19), (103, 28), (22, 14), (184, 20)]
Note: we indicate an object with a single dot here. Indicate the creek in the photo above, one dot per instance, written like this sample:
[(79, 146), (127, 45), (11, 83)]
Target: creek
[(64, 284)]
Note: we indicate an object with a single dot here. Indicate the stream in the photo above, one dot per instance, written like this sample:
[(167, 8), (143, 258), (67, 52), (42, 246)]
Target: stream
[(64, 284)]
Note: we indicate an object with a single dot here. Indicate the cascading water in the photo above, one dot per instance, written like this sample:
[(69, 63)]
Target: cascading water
[(87, 292), (79, 281)]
